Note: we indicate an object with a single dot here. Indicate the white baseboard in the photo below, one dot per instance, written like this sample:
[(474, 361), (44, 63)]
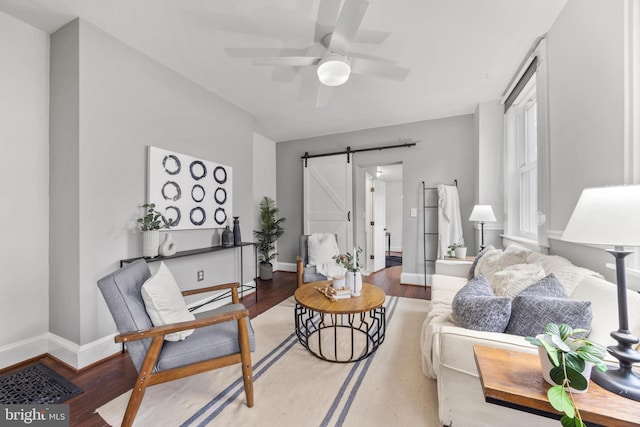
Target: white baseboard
[(20, 351), (287, 266), (68, 352), (414, 279), (74, 355), (247, 289), (80, 356)]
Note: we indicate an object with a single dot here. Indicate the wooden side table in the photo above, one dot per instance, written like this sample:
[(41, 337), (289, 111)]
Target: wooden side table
[(514, 379)]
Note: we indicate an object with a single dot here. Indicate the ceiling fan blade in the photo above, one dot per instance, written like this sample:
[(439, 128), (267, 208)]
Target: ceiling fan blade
[(324, 93), (328, 11), (371, 36), (347, 25), (367, 67), (371, 58), (290, 61), (260, 52)]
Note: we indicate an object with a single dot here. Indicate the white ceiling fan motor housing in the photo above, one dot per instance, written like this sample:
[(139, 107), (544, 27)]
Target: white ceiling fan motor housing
[(334, 69)]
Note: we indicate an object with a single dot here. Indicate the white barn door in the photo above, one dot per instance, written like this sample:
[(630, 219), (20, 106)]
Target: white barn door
[(328, 198)]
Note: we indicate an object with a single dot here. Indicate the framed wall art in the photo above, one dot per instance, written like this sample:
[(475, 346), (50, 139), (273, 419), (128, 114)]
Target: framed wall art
[(192, 193)]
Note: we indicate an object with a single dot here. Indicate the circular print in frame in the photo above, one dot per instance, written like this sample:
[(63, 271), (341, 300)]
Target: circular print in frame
[(198, 170), (220, 174), (220, 216), (197, 216)]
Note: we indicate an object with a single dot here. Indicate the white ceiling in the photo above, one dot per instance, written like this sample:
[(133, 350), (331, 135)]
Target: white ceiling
[(460, 52), (389, 173)]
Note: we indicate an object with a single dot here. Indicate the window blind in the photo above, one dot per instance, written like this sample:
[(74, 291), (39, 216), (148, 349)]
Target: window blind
[(530, 71)]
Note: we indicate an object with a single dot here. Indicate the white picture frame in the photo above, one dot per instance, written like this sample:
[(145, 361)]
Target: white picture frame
[(193, 193)]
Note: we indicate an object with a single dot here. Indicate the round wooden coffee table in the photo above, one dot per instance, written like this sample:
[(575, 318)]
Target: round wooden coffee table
[(345, 330)]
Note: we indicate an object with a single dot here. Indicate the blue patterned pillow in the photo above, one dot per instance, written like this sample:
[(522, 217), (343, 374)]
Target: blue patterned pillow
[(476, 307), (546, 302), (549, 286)]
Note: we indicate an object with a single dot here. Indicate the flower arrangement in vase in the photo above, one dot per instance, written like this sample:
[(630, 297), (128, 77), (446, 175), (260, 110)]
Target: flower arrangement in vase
[(353, 276), (150, 224)]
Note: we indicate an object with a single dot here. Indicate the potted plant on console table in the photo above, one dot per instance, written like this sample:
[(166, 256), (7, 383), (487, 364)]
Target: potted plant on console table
[(150, 224), (270, 230), (566, 362), (458, 250)]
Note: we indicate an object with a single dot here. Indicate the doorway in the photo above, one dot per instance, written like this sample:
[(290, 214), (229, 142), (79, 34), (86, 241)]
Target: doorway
[(383, 216)]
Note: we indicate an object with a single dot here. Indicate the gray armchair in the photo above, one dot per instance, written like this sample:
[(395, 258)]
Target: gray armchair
[(222, 336), (307, 273)]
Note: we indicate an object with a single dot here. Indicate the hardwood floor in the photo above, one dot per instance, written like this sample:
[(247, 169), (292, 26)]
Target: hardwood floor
[(108, 379)]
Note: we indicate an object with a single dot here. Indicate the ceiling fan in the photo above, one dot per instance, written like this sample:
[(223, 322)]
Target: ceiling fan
[(337, 63)]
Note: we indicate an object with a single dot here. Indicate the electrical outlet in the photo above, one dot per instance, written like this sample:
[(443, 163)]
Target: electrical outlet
[(200, 275)]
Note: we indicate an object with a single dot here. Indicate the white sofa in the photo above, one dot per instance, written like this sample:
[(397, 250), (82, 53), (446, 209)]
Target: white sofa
[(449, 349)]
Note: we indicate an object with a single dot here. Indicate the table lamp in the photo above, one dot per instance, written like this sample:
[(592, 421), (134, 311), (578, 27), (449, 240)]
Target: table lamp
[(610, 216), (482, 213)]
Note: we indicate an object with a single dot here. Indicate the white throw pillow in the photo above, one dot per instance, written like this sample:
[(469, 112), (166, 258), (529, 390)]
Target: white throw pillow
[(489, 264), (164, 302), (568, 274), (322, 248), (516, 278)]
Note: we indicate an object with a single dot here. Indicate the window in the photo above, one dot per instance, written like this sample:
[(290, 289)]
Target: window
[(522, 159)]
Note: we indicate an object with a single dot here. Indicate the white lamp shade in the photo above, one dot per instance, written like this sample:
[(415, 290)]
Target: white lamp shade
[(606, 216), (334, 70), (482, 213)]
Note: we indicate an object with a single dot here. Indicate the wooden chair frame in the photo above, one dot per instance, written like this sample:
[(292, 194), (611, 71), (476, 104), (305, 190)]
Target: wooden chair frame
[(146, 376), (299, 270)]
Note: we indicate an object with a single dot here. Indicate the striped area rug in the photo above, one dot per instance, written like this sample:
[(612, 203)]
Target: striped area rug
[(294, 388)]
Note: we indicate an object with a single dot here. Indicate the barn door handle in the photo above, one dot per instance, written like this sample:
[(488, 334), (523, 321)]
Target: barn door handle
[(349, 216)]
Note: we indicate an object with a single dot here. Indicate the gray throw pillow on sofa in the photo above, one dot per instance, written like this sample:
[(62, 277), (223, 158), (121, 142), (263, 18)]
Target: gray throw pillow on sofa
[(546, 302), (476, 307), (549, 286)]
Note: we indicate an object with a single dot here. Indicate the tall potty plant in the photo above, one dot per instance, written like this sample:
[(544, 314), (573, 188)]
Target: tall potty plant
[(270, 231)]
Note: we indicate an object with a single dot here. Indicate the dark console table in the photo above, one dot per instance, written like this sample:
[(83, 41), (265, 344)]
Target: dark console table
[(210, 249)]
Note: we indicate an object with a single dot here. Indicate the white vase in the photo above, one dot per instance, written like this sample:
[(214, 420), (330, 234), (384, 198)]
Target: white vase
[(353, 280), (339, 282), (150, 242), (546, 366), (168, 247), (461, 252)]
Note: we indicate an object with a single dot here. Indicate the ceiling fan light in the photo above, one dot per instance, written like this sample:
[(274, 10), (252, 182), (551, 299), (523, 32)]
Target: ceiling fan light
[(334, 70)]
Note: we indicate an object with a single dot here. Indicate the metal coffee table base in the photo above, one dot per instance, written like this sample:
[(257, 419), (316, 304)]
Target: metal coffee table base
[(342, 338)]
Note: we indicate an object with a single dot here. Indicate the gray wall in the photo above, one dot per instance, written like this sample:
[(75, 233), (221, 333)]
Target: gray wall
[(24, 211), (586, 102), (126, 101), (444, 153), (64, 186), (586, 105)]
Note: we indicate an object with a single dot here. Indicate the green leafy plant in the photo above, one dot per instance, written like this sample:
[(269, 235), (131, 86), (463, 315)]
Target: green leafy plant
[(270, 230), (568, 351), (347, 260), (152, 219), (452, 247)]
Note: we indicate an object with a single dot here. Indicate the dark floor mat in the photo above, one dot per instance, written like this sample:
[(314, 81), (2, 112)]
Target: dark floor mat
[(392, 261), (36, 384)]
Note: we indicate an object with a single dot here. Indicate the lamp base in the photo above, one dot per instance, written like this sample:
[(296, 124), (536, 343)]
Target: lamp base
[(620, 381)]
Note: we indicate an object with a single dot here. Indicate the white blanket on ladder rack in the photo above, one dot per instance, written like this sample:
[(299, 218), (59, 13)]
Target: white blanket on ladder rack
[(449, 221)]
